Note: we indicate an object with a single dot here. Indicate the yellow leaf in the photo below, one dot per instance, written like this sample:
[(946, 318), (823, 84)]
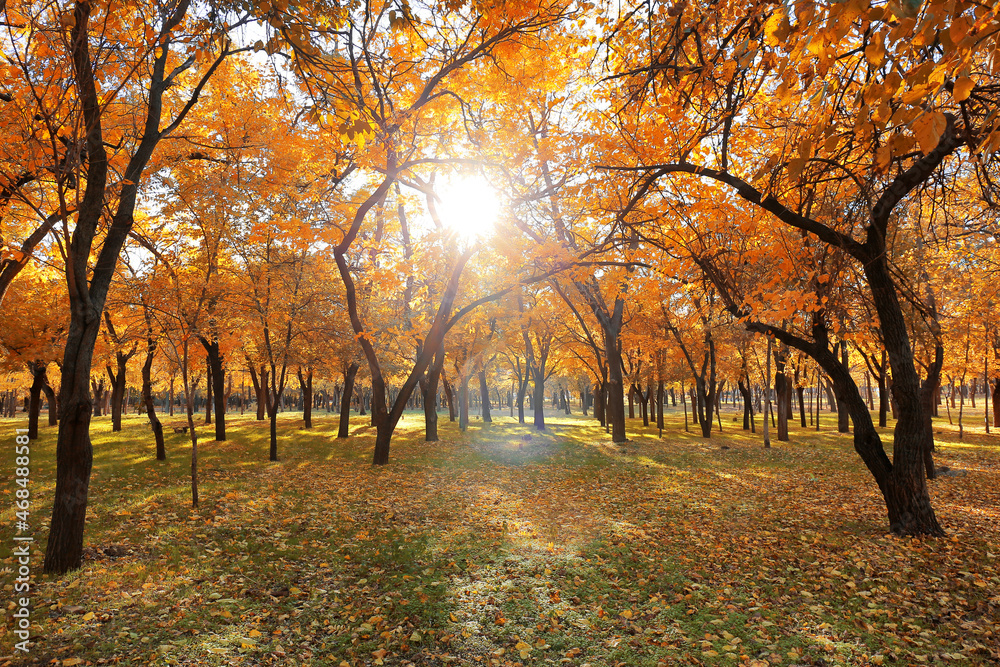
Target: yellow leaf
[(777, 28), (795, 168), (68, 662), (928, 130), (255, 633), (89, 616), (963, 88), (883, 156)]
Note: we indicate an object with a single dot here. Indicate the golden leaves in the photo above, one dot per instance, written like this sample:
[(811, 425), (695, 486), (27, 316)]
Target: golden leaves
[(795, 167), (777, 27), (963, 88), (928, 130)]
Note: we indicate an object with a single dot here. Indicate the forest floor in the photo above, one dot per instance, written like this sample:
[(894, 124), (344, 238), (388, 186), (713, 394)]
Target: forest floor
[(507, 547)]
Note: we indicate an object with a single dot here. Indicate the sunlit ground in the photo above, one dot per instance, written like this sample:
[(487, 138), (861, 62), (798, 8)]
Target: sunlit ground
[(505, 546)]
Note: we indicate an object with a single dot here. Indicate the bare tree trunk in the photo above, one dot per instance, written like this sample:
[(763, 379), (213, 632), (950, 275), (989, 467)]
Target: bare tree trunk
[(484, 396), (305, 384), (38, 381), (430, 394), (147, 398), (50, 397), (350, 372)]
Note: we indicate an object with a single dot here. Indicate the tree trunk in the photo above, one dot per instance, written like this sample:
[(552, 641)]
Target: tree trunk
[(659, 404), (883, 394), (538, 402), (258, 390), (449, 396), (929, 386), (117, 391), (50, 398), (910, 511), (208, 392), (38, 380), (345, 399), (801, 391), (305, 384), (521, 391), (644, 408), (484, 396), (147, 399), (74, 452), (843, 418), (747, 404), (217, 386), (599, 412), (782, 391), (767, 396), (614, 408), (272, 414), (995, 399), (463, 402), (430, 394)]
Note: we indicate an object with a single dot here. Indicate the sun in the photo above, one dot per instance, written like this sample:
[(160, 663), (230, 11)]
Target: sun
[(470, 206)]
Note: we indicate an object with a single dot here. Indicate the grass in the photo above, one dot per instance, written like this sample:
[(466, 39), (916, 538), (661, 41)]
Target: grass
[(503, 546)]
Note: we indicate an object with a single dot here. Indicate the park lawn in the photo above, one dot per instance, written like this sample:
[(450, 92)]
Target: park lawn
[(506, 547)]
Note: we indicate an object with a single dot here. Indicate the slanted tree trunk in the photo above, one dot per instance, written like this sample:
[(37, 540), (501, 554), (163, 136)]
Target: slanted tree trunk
[(350, 372), (147, 397), (522, 389), (430, 394), (50, 398), (258, 389)]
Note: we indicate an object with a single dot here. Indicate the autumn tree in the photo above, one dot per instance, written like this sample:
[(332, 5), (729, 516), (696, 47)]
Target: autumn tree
[(134, 75), (877, 101)]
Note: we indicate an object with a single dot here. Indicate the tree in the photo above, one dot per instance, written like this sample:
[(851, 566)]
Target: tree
[(867, 129), (151, 53)]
